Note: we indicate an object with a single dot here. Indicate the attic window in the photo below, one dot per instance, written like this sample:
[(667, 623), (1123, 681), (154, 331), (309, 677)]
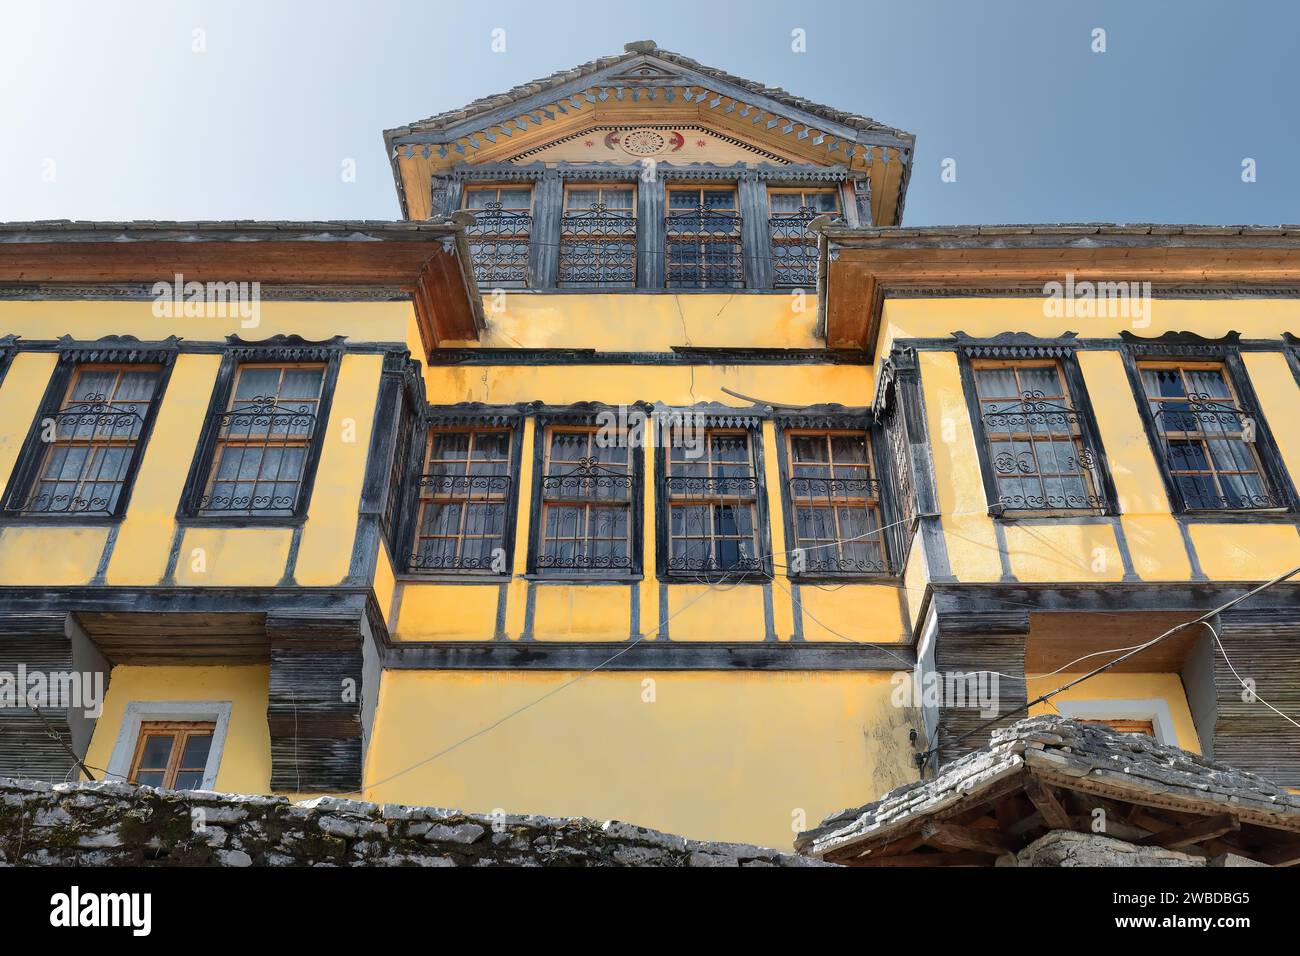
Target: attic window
[(703, 239), (498, 241), (598, 236), (794, 248)]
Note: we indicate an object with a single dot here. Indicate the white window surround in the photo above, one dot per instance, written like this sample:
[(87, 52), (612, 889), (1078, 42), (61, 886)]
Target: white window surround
[(1154, 709), (145, 711)]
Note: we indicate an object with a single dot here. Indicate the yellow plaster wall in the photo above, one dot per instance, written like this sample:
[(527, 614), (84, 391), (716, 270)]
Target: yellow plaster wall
[(1246, 552), (575, 612), (89, 320), (245, 759), (1166, 687), (145, 536), (447, 612), (737, 756), (648, 323), (1279, 400), (21, 391), (51, 556), (221, 557), (679, 385), (734, 612), (325, 551), (851, 612)]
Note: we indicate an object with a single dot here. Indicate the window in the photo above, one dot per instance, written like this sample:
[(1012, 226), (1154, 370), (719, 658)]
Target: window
[(263, 442), (172, 755), (465, 500), (834, 502), (598, 237), (1207, 437), (703, 239), (588, 519), (1127, 726), (89, 445), (498, 241), (1039, 452), (712, 493), (794, 248)]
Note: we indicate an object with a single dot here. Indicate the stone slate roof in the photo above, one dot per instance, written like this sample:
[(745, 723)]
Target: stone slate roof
[(1071, 755), (524, 91)]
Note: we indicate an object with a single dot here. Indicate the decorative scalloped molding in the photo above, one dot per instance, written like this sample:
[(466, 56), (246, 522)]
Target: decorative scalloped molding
[(1016, 345), (117, 349), (285, 348)]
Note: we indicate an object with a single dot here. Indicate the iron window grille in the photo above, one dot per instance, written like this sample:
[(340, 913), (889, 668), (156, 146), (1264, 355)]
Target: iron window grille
[(391, 520), (263, 442), (1207, 438), (835, 503), (90, 445), (598, 237), (500, 236), (702, 237), (465, 495), (894, 422), (587, 491), (794, 248), (713, 507), (1038, 448)]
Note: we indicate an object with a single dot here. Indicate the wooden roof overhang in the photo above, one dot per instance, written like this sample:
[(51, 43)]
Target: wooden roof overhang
[(861, 267), (998, 800), (648, 85), (428, 260)]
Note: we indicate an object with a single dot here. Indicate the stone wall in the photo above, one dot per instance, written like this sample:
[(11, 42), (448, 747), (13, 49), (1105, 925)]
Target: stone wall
[(118, 824), (1068, 848)]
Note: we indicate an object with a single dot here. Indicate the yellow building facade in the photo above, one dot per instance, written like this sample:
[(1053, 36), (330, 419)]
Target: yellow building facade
[(648, 469)]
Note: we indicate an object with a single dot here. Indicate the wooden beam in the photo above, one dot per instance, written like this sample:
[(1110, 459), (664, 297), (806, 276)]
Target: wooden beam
[(934, 859), (1044, 798), (1287, 854), (950, 836), (1193, 833)]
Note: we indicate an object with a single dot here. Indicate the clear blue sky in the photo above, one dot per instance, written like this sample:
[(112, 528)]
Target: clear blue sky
[(139, 126)]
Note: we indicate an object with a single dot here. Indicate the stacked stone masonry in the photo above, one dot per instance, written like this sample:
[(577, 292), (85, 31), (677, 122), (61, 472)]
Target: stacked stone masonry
[(117, 824)]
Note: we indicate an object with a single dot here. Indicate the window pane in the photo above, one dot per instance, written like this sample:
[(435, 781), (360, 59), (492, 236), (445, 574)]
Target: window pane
[(157, 751), (195, 755)]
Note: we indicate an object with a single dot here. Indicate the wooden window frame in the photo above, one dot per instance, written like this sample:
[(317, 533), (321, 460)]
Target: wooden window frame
[(700, 238), (205, 462), (537, 562), (516, 238), (31, 459), (1086, 435), (665, 500), (1081, 435), (180, 732), (879, 504), (631, 237), (507, 497), (1273, 471)]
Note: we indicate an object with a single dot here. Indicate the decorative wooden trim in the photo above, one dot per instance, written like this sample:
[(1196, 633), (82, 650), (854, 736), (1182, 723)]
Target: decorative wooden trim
[(71, 356), (649, 656)]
